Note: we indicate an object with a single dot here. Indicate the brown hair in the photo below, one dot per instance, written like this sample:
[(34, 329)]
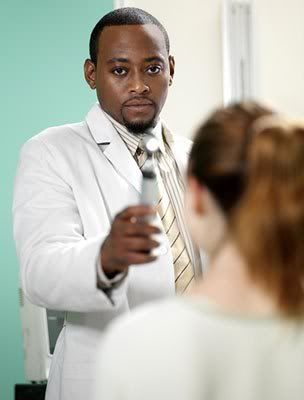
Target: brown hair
[(269, 222), (253, 163), (217, 158)]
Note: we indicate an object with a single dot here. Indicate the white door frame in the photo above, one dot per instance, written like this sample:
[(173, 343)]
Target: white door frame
[(119, 4)]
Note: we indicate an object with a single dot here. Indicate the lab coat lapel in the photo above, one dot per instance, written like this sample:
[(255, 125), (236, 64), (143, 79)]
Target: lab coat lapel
[(113, 147)]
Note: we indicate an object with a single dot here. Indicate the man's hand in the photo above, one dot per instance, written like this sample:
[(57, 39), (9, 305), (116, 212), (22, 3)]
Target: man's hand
[(129, 241)]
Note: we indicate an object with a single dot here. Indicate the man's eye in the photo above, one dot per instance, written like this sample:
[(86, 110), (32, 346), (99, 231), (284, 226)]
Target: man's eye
[(155, 69), (119, 71)]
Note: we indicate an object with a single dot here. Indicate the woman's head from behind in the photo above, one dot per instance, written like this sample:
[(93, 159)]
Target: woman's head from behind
[(246, 184), (216, 170)]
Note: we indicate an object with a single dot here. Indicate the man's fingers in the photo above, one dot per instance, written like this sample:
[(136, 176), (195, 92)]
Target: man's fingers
[(140, 244), (135, 258), (129, 241), (135, 212), (140, 229)]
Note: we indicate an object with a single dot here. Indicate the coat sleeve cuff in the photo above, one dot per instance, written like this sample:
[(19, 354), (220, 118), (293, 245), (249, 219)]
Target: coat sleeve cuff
[(104, 283)]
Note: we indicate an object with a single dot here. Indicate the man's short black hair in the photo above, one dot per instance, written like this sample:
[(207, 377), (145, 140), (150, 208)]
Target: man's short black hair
[(124, 16)]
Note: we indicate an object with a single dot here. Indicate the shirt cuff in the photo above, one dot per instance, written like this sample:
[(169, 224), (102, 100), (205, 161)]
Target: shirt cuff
[(103, 282)]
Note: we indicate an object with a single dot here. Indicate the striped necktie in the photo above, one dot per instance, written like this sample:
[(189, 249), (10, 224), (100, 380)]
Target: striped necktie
[(183, 269)]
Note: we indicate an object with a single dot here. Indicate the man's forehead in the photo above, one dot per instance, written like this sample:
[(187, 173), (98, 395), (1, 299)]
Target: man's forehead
[(127, 39)]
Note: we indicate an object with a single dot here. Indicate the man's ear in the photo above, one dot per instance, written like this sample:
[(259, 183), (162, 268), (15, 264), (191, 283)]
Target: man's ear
[(90, 73), (197, 191), (172, 68)]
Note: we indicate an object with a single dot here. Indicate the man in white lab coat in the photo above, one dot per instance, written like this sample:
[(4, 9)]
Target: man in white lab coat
[(81, 243)]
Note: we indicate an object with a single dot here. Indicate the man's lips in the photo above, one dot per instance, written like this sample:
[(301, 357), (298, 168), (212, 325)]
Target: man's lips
[(138, 103)]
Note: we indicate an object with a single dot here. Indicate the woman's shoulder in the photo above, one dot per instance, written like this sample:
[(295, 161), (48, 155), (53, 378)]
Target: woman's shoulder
[(200, 332), (162, 312), (154, 320), (176, 319)]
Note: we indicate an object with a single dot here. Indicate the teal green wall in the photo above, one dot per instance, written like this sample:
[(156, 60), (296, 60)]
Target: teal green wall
[(43, 45)]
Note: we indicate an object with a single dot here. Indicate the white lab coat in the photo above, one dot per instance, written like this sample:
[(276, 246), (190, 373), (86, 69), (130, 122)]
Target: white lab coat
[(71, 182)]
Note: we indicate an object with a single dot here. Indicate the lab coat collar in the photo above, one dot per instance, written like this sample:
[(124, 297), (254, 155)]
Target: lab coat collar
[(113, 147), (100, 127)]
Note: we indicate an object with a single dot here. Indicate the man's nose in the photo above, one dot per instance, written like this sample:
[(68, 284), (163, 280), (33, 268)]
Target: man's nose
[(138, 84)]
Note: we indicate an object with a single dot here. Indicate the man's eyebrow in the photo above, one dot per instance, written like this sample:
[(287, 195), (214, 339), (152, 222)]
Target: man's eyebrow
[(155, 58), (126, 60), (117, 59)]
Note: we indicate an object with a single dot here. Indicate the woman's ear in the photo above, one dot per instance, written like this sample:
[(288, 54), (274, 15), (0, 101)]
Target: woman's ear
[(197, 195)]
